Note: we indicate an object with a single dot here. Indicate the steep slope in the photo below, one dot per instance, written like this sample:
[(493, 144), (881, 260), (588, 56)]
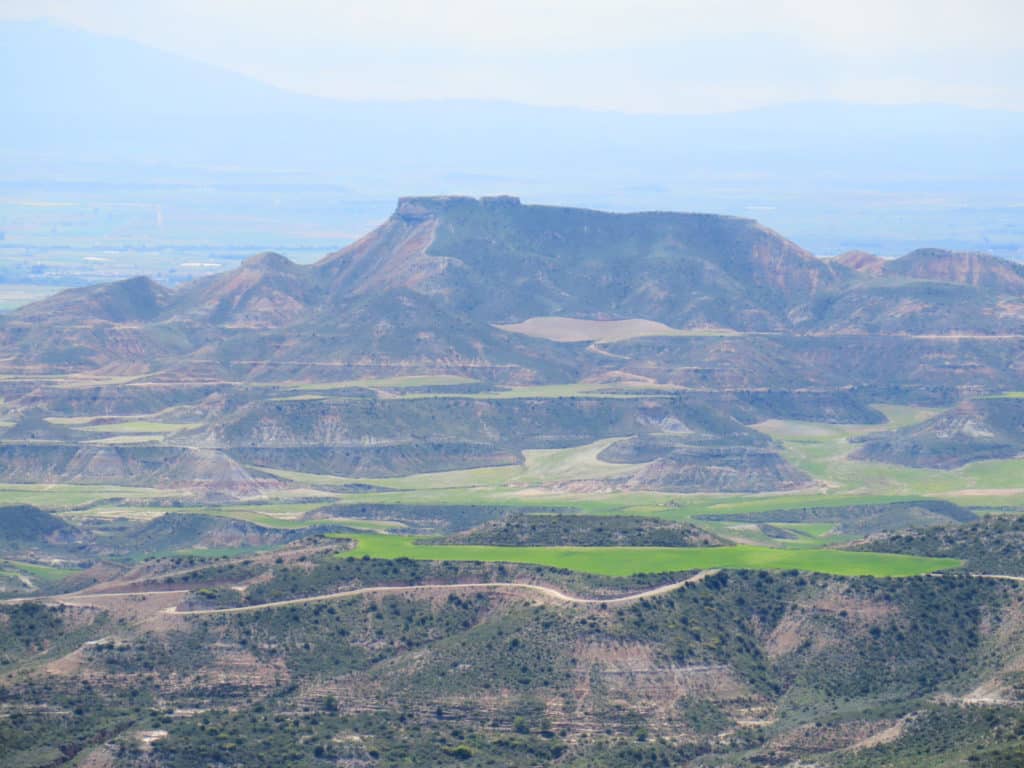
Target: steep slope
[(980, 270), (397, 436), (889, 367), (205, 473), (678, 444), (929, 292), (398, 331), (33, 427), (681, 269), (921, 307), (680, 465), (267, 290)]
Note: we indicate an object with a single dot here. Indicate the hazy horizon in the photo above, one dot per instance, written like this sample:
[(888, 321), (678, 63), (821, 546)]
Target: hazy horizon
[(175, 135), (647, 57)]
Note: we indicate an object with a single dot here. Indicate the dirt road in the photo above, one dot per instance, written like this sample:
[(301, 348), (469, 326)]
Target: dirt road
[(492, 585)]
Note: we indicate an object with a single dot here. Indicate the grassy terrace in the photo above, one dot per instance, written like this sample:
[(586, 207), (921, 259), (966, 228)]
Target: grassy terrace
[(627, 561), (44, 573), (60, 496), (279, 516), (16, 575), (391, 382), (821, 450)]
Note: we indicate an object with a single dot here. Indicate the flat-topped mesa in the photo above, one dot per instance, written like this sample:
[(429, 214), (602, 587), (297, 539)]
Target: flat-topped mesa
[(425, 289), (422, 207), (498, 259), (419, 208)]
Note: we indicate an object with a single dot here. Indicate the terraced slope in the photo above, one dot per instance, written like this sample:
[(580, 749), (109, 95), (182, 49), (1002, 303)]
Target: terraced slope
[(987, 428)]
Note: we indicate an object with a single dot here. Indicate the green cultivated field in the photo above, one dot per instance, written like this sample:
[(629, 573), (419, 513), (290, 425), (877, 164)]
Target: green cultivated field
[(57, 496), (592, 391), (627, 561), (43, 572), (822, 451), (539, 466), (394, 382), (30, 575)]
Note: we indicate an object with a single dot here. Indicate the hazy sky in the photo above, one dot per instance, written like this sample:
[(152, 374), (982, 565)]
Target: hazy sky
[(645, 55)]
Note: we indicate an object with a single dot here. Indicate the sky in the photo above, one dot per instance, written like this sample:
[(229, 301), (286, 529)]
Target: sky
[(652, 56)]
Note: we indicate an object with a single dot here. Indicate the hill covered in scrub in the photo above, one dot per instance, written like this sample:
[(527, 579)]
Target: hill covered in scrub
[(992, 545), (568, 530), (187, 531), (24, 527), (857, 520), (739, 668)]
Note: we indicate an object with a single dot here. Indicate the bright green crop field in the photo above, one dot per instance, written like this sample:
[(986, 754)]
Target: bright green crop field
[(628, 561)]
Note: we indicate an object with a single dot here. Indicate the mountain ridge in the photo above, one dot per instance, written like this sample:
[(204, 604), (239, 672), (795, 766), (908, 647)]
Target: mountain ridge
[(427, 289), (202, 104)]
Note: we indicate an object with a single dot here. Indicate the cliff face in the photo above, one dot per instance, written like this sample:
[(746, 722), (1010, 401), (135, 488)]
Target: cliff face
[(496, 260)]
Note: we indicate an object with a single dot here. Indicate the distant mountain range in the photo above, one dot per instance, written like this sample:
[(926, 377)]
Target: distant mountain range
[(80, 107), (127, 101), (434, 289)]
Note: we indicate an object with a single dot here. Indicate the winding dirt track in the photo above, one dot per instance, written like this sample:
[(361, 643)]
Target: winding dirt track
[(549, 592), (498, 586), (1000, 576), (76, 598), (494, 585)]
